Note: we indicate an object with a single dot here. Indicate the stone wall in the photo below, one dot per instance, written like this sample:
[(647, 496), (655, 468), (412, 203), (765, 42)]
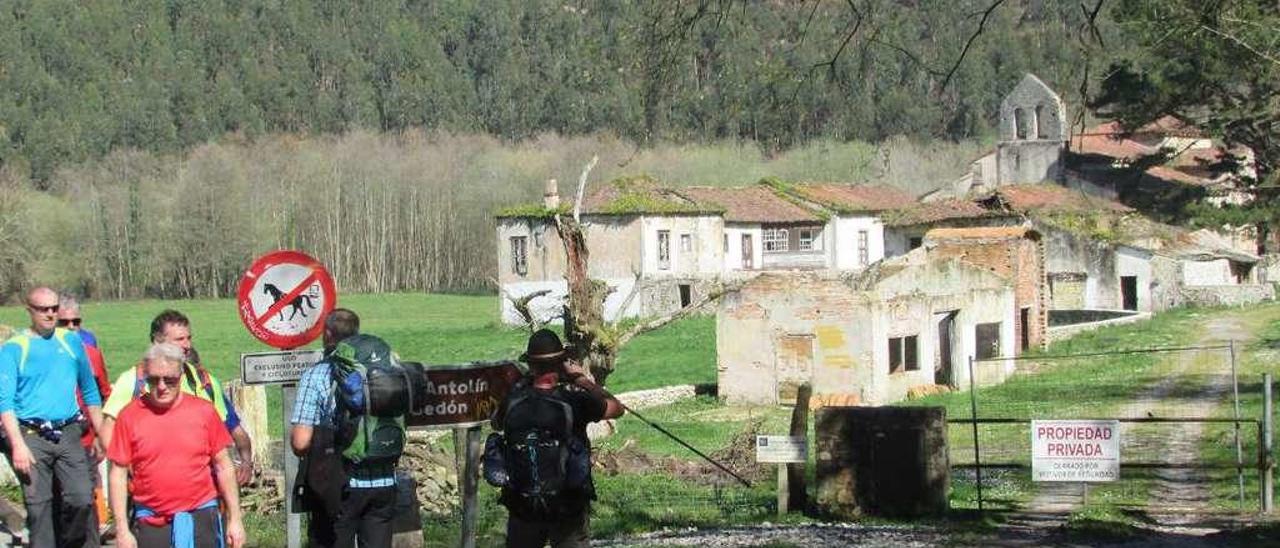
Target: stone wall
[(889, 461), (1227, 295), (1061, 332)]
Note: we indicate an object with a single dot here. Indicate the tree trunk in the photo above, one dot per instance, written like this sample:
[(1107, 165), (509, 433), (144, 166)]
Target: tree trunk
[(584, 325)]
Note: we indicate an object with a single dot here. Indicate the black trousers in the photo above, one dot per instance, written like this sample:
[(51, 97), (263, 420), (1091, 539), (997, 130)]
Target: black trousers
[(569, 532), (208, 531), (365, 514)]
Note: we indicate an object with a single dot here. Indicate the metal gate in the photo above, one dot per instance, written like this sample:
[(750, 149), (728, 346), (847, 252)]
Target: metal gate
[(1185, 438)]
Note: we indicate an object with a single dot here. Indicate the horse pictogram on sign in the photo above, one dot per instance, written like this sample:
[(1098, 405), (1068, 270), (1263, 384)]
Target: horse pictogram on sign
[(284, 296)]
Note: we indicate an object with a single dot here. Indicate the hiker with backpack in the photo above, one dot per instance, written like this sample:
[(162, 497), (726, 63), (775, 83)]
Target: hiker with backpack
[(542, 458), (40, 370), (173, 327), (164, 446), (349, 429)]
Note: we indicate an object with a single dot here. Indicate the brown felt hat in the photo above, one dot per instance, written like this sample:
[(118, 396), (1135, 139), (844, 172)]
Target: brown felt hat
[(544, 346)]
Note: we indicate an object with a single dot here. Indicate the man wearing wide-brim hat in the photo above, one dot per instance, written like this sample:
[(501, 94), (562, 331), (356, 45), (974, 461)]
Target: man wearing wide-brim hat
[(555, 381)]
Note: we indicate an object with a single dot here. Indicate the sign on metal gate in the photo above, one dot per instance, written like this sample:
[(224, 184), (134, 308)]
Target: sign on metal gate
[(1075, 450)]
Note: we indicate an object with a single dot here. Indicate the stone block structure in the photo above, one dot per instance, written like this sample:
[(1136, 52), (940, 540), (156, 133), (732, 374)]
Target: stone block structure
[(888, 461)]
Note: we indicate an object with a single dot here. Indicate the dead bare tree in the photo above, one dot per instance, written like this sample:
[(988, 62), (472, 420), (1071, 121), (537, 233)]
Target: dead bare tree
[(596, 341)]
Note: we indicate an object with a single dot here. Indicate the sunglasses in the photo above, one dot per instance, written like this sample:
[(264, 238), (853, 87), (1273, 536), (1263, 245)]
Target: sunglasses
[(69, 322), (156, 380), (53, 309)]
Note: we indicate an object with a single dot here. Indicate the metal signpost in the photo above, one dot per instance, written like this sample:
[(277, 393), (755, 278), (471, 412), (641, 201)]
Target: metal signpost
[(1075, 450), (283, 298)]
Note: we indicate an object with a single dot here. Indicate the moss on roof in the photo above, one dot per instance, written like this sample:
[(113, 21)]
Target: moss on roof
[(532, 211), (640, 194)]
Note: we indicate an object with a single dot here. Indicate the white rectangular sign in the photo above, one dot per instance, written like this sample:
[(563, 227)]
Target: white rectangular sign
[(1075, 450), (781, 449), (285, 366)]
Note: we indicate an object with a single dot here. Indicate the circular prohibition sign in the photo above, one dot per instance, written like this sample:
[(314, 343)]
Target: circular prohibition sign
[(283, 298)]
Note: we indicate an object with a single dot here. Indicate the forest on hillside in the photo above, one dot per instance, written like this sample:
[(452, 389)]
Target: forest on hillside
[(150, 148), (81, 79)]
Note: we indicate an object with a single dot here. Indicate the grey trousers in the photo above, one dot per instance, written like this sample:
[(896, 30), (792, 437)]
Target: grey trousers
[(66, 460)]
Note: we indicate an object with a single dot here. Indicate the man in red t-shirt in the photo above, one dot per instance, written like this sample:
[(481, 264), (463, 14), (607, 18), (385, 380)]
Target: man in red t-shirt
[(168, 442)]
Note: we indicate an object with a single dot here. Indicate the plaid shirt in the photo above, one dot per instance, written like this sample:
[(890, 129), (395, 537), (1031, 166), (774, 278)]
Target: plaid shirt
[(315, 406)]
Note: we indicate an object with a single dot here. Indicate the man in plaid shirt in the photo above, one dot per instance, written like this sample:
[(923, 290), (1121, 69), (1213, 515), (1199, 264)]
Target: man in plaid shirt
[(365, 506)]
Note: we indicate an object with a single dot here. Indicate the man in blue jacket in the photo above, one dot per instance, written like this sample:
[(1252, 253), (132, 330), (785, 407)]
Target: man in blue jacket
[(40, 369)]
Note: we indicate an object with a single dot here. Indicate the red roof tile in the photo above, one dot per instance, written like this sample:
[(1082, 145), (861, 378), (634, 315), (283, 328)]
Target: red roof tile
[(1109, 139), (981, 232), (855, 198), (756, 204), (942, 210), (1172, 126), (1055, 199)]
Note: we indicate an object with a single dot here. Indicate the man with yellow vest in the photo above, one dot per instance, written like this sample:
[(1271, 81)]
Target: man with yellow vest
[(173, 327), (40, 370)]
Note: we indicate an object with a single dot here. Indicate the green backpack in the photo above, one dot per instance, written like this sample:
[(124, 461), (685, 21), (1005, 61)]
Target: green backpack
[(372, 394)]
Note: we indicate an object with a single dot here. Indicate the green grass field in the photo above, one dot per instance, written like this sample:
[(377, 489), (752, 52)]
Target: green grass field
[(441, 329), (428, 328)]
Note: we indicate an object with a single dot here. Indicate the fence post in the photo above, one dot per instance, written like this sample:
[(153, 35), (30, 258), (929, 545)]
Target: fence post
[(1235, 389), (1266, 465), (977, 452), (467, 447), (293, 522), (798, 493)]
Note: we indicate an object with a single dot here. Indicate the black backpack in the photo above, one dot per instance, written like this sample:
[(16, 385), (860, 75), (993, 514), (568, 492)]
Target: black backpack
[(545, 468)]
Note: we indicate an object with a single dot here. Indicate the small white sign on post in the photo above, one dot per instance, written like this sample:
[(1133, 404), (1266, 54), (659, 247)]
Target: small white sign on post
[(1075, 450), (285, 366), (781, 449)]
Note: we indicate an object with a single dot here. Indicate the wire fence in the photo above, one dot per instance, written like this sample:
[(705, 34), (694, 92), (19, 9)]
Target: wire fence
[(1191, 427)]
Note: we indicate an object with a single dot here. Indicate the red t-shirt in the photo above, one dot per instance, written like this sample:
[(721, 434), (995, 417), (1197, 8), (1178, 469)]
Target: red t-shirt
[(169, 453), (99, 367)]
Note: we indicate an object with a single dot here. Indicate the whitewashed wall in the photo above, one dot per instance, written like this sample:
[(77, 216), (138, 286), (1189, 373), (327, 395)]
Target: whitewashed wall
[(845, 250)]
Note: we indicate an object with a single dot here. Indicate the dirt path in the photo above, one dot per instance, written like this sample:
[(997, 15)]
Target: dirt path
[(1180, 495)]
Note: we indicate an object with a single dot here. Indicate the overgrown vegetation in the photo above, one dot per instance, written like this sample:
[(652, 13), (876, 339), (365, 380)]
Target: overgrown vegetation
[(384, 212)]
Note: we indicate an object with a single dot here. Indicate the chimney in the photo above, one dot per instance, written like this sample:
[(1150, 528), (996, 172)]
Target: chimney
[(550, 195)]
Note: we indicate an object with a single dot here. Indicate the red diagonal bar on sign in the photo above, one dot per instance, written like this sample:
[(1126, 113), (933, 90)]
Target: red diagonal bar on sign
[(287, 298)]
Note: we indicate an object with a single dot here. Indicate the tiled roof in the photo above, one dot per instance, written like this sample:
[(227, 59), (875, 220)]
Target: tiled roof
[(941, 210), (1110, 140), (755, 204), (1178, 176), (1205, 245), (1055, 199), (855, 198), (640, 195), (1172, 126), (980, 232)]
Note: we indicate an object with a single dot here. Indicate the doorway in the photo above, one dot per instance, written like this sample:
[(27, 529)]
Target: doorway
[(1129, 292), (1024, 328), (686, 295), (748, 261), (944, 368)]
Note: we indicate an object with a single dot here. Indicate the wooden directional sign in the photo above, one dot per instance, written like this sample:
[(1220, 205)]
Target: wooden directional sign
[(283, 298), (456, 396)]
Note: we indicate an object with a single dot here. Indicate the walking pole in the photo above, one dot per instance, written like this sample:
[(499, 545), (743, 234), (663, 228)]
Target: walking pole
[(673, 437)]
